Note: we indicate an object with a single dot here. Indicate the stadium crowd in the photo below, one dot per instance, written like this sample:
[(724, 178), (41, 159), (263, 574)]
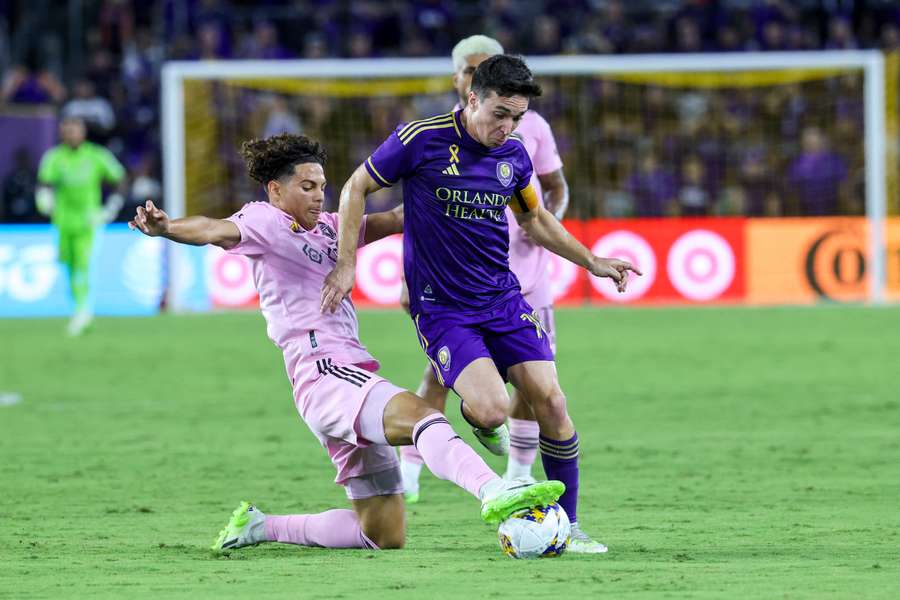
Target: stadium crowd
[(650, 150)]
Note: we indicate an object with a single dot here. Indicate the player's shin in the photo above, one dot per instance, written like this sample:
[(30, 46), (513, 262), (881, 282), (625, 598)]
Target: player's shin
[(560, 460), (338, 528), (448, 457), (523, 445)]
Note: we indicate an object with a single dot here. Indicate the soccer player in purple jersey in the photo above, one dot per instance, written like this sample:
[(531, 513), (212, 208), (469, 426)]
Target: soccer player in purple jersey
[(460, 171), (354, 413), (528, 261)]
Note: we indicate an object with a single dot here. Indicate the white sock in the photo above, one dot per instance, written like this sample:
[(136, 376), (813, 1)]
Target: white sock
[(491, 488), (516, 469), (410, 474)]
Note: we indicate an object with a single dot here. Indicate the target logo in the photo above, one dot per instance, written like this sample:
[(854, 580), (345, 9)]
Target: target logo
[(629, 246), (379, 270), (230, 279), (701, 265)]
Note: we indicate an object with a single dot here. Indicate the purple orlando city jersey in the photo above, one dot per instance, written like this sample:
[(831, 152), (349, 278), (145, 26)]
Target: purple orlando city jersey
[(455, 192)]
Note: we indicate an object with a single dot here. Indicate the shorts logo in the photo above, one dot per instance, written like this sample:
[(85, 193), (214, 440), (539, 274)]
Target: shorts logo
[(444, 358), (536, 321), (504, 173)]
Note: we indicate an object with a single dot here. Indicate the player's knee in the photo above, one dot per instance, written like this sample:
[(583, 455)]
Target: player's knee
[(553, 406), (489, 414)]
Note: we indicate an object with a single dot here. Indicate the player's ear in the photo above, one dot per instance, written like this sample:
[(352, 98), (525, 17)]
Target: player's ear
[(473, 100), (273, 189)]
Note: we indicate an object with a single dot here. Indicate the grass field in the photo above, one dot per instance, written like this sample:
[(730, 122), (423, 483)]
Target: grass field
[(727, 453)]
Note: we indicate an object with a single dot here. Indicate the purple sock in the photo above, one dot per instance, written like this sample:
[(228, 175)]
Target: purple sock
[(560, 459)]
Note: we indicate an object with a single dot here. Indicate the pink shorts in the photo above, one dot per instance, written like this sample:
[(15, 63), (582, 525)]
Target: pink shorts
[(330, 397), (545, 314)]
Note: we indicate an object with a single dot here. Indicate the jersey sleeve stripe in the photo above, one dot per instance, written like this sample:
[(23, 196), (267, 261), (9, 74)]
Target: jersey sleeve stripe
[(374, 172), (421, 126), (421, 129), (412, 124)]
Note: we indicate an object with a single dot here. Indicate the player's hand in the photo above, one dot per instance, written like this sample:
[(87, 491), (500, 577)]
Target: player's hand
[(615, 269), (337, 286), (404, 295), (150, 220)]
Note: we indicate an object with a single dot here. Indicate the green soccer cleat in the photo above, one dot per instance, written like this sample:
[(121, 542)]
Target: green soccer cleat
[(246, 527), (411, 497), (495, 440), (503, 498)]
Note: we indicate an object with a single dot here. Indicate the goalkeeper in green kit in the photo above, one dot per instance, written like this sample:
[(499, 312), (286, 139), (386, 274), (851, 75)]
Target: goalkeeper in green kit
[(70, 181)]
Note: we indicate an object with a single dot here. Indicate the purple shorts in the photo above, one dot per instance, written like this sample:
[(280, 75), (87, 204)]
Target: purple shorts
[(509, 334)]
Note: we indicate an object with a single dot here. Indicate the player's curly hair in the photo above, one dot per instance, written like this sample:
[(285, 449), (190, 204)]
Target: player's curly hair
[(505, 74), (276, 156)]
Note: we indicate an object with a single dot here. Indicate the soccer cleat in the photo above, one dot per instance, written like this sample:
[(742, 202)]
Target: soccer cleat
[(411, 497), (79, 322), (520, 478), (581, 543), (495, 440), (502, 498), (246, 527)]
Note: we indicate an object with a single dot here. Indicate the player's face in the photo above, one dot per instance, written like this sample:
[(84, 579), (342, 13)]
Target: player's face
[(462, 79), (495, 118), (301, 195), (72, 132)]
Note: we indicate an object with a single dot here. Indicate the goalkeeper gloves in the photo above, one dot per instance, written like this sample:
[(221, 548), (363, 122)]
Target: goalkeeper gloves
[(43, 200), (110, 210)]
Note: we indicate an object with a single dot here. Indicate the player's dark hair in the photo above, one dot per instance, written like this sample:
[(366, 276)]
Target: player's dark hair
[(505, 74), (275, 157)]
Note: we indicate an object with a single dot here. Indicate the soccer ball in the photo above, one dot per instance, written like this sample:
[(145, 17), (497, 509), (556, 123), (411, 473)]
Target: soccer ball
[(535, 532)]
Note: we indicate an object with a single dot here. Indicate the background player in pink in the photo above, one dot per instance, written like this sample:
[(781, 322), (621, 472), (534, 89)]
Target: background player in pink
[(353, 412), (527, 260)]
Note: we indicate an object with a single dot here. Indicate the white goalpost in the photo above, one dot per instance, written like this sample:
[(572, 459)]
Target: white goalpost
[(869, 63)]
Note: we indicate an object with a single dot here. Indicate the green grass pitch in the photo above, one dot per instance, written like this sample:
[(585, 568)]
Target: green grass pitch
[(727, 453)]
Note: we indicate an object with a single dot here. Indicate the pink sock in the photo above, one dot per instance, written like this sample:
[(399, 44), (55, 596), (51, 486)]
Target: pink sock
[(448, 457), (338, 528), (409, 454), (523, 440)]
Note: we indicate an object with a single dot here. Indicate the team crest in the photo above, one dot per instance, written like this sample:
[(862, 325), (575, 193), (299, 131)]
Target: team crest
[(504, 173), (444, 358)]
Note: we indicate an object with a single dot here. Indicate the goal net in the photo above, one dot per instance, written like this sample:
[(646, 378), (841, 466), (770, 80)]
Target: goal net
[(762, 135)]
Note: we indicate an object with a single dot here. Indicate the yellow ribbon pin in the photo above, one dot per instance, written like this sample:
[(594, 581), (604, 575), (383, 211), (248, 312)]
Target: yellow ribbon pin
[(454, 150)]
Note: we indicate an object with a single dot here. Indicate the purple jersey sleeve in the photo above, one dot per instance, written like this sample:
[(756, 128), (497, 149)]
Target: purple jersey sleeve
[(255, 222), (392, 161)]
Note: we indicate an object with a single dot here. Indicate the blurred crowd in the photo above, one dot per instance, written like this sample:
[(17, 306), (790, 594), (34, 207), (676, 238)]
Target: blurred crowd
[(650, 150)]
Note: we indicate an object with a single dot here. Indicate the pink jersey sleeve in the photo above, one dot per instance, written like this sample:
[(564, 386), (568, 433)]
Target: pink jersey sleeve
[(546, 157), (255, 221), (333, 221)]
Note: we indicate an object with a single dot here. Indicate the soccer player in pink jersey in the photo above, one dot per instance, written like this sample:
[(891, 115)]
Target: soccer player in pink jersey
[(529, 262), (355, 414)]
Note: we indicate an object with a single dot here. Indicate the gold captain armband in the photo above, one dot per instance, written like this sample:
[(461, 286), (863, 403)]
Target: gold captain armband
[(524, 200)]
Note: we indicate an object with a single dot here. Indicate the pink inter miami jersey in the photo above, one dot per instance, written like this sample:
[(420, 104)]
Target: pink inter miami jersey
[(527, 260), (289, 267)]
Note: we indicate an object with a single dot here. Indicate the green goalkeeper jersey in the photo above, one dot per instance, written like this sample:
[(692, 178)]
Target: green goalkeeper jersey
[(76, 176)]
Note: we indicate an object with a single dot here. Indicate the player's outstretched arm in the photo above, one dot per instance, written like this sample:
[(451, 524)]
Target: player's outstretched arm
[(196, 231), (339, 281), (382, 224), (545, 230)]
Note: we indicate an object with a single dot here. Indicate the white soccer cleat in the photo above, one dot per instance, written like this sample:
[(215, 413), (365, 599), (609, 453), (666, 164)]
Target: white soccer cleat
[(495, 440), (581, 543), (79, 322), (523, 478), (246, 527)]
